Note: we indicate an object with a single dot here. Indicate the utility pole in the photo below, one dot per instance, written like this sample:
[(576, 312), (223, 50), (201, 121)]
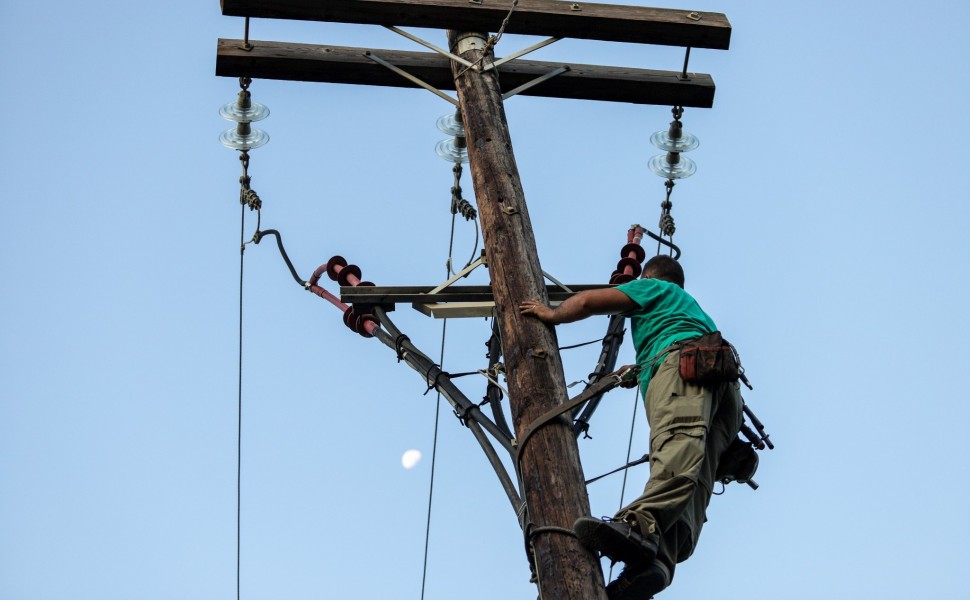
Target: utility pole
[(547, 457), (549, 466)]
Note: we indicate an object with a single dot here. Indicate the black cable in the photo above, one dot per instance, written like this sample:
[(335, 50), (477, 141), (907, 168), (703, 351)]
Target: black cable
[(434, 455), (279, 242), (242, 252), (581, 344), (669, 244)]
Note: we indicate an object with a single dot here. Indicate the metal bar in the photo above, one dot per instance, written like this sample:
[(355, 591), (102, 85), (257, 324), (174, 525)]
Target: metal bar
[(556, 281), (522, 52), (410, 77), (468, 269), (535, 82), (430, 46)]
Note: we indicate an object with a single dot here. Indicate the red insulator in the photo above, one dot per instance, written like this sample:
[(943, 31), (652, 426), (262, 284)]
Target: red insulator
[(635, 251), (619, 278), (629, 266), (366, 325), (334, 265), (349, 318), (348, 275)]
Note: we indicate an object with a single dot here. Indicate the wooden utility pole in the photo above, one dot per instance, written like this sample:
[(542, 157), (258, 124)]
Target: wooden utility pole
[(551, 477), (549, 467)]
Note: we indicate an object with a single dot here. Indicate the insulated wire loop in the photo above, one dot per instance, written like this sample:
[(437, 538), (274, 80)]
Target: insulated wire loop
[(279, 242)]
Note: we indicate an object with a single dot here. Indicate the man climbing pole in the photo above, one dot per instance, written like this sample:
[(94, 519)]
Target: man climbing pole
[(691, 425)]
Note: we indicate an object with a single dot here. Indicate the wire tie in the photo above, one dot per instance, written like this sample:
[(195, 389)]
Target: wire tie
[(432, 384), (398, 343), (463, 415)]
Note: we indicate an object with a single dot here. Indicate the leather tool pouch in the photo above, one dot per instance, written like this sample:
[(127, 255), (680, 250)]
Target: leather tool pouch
[(709, 360)]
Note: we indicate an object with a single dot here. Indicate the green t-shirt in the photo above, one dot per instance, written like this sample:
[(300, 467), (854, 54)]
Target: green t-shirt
[(666, 314)]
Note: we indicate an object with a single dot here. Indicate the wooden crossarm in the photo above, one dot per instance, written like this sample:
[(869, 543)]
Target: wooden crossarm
[(553, 18), (338, 64)]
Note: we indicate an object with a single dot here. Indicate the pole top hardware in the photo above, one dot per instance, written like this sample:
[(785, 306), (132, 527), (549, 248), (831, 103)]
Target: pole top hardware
[(470, 41)]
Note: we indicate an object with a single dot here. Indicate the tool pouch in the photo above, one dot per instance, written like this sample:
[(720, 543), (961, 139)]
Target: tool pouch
[(709, 360), (738, 463)]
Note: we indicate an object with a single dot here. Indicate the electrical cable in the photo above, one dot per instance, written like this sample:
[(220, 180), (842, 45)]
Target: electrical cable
[(279, 242), (437, 411), (242, 253), (434, 455)]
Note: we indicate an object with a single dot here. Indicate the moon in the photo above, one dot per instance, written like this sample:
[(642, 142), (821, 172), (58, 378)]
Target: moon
[(410, 458)]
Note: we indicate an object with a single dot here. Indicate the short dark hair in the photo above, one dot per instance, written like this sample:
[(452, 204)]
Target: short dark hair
[(665, 268)]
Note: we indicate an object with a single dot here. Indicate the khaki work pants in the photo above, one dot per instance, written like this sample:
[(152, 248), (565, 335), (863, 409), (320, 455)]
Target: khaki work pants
[(690, 427)]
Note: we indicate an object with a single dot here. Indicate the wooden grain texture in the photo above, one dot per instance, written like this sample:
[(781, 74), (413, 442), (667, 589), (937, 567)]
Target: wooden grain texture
[(340, 64), (550, 471), (554, 18)]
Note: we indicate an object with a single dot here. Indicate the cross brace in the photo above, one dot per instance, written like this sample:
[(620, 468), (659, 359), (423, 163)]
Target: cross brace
[(554, 18), (339, 64)]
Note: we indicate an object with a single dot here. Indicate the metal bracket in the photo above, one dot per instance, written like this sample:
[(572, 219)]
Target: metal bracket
[(556, 281), (536, 81), (471, 267), (411, 78), (431, 46), (521, 53)]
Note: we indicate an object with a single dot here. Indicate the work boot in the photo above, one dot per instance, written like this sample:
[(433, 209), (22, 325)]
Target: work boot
[(619, 540), (639, 584)]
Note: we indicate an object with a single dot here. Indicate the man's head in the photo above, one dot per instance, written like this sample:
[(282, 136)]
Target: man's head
[(665, 268)]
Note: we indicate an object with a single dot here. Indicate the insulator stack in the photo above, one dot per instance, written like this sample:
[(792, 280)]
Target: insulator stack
[(631, 257), (359, 319)]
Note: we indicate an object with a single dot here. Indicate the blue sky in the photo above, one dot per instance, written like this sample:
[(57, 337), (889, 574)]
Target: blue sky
[(824, 232)]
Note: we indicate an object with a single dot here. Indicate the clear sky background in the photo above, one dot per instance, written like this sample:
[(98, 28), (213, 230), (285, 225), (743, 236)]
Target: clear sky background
[(825, 232)]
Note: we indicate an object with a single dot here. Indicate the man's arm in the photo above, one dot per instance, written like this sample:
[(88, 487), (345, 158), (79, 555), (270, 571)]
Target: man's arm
[(606, 301)]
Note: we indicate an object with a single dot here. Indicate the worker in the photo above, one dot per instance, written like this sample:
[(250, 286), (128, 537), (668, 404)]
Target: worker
[(690, 427)]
